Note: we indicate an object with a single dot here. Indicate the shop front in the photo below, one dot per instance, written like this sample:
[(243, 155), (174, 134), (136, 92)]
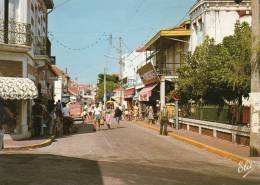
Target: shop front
[(16, 93), (148, 97), (150, 94), (128, 95)]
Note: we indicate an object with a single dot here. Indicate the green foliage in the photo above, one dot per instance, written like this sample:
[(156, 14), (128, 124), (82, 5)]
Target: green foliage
[(113, 78), (218, 72), (112, 82)]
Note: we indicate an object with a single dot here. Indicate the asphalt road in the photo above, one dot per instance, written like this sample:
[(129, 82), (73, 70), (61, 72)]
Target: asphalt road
[(128, 155)]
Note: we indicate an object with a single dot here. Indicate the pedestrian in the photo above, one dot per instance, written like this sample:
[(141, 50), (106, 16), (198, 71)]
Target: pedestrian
[(97, 114), (5, 116), (67, 122), (126, 113), (164, 115), (118, 114), (37, 113), (59, 123), (150, 115), (136, 112), (58, 106), (108, 118), (52, 116), (85, 111)]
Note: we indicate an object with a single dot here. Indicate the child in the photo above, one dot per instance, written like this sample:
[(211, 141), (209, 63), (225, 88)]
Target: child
[(108, 119)]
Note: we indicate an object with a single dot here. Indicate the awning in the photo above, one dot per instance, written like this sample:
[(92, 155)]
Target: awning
[(129, 93), (146, 92), (17, 88)]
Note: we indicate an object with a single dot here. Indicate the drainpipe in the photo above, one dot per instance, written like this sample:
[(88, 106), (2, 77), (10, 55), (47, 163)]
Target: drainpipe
[(6, 21)]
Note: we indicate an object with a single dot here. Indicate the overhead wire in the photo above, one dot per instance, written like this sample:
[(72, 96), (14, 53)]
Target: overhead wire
[(96, 42)]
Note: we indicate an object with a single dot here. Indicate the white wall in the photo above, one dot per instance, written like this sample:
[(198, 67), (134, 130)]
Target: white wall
[(215, 22), (131, 63), (2, 10), (58, 90)]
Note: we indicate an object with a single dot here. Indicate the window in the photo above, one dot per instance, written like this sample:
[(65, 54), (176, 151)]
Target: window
[(32, 21), (32, 7)]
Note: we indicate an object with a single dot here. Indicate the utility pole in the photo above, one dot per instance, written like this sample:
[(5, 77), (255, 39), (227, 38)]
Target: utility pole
[(110, 41), (105, 88), (255, 82), (121, 70)]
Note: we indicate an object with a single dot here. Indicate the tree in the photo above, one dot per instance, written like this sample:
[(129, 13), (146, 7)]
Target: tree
[(112, 82), (216, 73)]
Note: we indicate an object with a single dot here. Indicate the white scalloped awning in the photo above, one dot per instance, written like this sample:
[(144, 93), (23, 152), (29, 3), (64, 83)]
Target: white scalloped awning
[(17, 88)]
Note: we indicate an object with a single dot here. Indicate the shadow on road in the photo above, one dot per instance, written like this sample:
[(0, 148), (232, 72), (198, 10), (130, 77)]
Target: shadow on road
[(39, 169), (25, 169)]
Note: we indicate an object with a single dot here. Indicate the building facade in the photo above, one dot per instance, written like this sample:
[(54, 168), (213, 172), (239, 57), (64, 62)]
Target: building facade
[(165, 53), (132, 81), (22, 25), (216, 19)]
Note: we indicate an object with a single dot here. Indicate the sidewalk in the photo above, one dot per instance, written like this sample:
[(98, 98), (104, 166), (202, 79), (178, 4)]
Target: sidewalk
[(218, 146), (13, 145)]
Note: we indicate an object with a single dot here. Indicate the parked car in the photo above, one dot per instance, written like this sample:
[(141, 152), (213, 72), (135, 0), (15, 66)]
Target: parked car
[(76, 112)]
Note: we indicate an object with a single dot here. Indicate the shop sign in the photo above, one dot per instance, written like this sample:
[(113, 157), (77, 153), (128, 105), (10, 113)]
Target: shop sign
[(129, 93), (148, 74)]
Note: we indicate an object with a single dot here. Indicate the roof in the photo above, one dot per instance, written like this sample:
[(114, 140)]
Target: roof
[(58, 71), (74, 90), (178, 31)]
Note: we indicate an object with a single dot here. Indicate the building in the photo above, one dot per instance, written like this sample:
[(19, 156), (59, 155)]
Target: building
[(25, 57), (60, 85), (132, 82), (164, 56), (216, 19)]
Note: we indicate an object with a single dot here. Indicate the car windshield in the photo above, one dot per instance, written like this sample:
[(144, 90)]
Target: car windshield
[(75, 108)]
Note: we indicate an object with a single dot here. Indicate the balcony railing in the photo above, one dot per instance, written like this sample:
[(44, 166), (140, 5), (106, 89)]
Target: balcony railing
[(168, 69), (42, 45), (15, 33)]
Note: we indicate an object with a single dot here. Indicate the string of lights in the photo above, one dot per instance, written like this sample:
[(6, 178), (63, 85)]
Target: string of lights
[(102, 38)]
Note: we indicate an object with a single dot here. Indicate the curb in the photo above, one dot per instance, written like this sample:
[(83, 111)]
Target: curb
[(34, 146), (211, 149)]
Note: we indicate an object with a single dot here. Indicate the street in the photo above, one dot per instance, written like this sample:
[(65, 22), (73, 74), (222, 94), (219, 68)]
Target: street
[(128, 154)]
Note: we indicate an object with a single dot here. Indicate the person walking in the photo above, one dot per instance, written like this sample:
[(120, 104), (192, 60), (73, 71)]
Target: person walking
[(85, 111), (108, 118), (5, 116), (136, 112), (97, 114), (164, 121), (118, 114), (67, 122), (150, 115), (37, 112)]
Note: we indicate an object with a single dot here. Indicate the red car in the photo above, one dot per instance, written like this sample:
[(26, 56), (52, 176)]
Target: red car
[(76, 111)]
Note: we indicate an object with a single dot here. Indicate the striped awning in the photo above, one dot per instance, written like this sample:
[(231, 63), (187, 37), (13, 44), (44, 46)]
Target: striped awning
[(17, 88)]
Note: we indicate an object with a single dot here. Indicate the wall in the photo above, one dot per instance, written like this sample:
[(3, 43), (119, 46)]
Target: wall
[(216, 21), (11, 69), (58, 90), (131, 63)]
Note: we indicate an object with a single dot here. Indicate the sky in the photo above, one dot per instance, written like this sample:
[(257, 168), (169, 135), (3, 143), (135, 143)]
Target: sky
[(79, 31)]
